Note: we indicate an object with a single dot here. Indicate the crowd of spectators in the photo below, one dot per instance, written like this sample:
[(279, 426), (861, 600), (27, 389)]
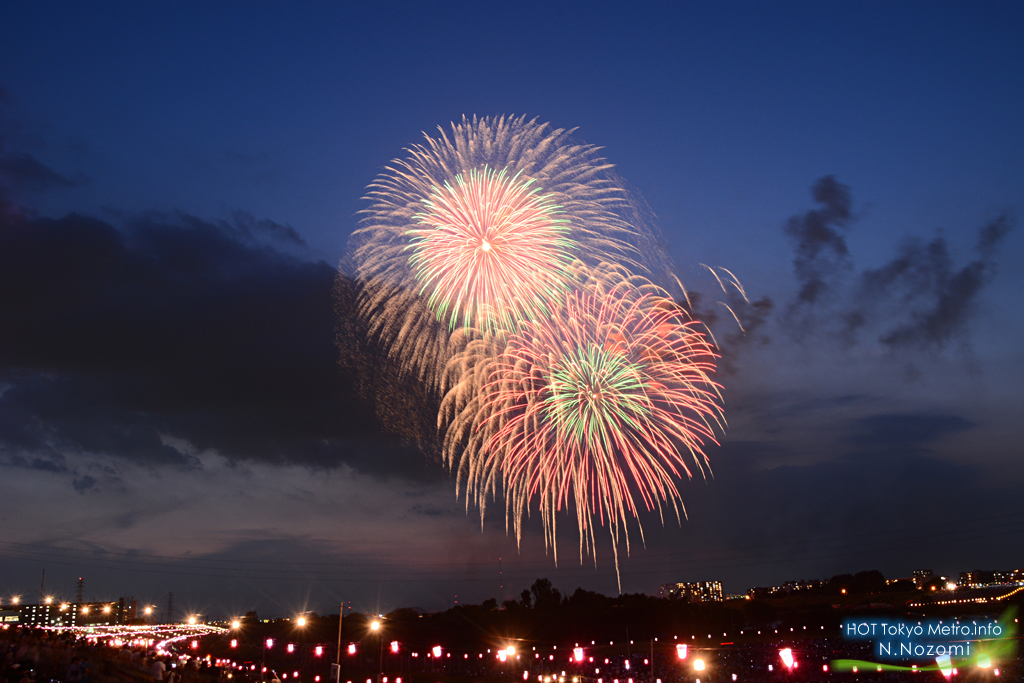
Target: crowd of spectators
[(41, 656)]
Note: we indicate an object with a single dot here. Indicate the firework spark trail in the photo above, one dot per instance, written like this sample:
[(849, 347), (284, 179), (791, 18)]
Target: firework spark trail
[(590, 408), (568, 195)]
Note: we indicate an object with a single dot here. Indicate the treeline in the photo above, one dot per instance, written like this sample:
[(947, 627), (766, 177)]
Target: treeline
[(542, 614)]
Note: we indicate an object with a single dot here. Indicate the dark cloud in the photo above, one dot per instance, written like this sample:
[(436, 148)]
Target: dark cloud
[(252, 227), (921, 298), (888, 501), (26, 172), (906, 432), (821, 252), (41, 464), (83, 484), (935, 298), (114, 338)]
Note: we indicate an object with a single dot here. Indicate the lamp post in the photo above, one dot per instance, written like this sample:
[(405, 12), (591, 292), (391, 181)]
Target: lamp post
[(267, 642), (336, 669)]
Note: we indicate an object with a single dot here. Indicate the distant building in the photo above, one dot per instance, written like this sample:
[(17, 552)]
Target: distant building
[(694, 591), (921, 576), (987, 577), (75, 613), (761, 592)]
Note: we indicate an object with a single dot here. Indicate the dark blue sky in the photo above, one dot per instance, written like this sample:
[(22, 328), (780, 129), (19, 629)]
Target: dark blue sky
[(162, 408)]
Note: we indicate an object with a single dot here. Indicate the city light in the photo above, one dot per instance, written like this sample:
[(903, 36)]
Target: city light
[(234, 624), (984, 661), (192, 621), (301, 621), (148, 610), (106, 609), (510, 651), (49, 600), (374, 626), (698, 665)]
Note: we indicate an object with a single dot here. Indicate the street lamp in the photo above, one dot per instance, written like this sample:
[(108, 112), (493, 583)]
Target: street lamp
[(267, 644), (375, 627)]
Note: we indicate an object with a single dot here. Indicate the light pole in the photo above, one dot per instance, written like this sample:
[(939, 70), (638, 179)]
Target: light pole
[(267, 642), (336, 673)]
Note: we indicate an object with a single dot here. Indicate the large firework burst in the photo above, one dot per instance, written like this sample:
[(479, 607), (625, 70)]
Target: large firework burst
[(472, 232), (491, 251), (600, 408)]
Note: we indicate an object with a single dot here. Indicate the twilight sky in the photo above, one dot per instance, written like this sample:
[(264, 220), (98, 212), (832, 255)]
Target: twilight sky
[(178, 184)]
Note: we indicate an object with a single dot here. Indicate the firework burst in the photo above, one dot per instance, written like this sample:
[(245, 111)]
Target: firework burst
[(491, 251), (473, 230), (599, 408)]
